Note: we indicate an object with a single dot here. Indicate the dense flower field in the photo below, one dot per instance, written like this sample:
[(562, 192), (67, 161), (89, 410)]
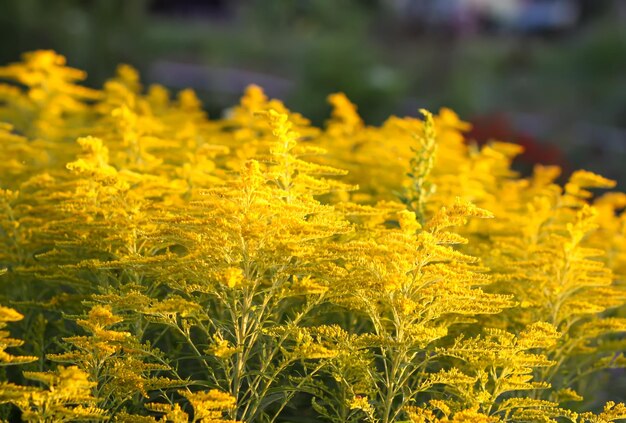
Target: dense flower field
[(158, 265)]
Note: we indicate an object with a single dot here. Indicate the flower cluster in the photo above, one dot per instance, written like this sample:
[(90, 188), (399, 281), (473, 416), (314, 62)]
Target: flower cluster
[(158, 265)]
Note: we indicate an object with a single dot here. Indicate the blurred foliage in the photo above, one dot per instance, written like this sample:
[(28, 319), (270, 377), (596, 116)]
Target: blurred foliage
[(94, 34)]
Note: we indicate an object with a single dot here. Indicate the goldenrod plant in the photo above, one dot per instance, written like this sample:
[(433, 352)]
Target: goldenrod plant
[(158, 265)]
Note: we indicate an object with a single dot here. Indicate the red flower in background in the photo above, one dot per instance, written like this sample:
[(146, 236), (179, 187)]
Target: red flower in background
[(499, 127)]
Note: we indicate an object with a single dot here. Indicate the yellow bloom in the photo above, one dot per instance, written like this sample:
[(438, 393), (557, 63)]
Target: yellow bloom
[(232, 277)]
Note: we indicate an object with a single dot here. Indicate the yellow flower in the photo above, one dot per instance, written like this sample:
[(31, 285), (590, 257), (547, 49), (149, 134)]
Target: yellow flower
[(232, 277), (361, 402), (221, 348)]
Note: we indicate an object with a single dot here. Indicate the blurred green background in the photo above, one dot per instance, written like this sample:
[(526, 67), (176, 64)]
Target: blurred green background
[(550, 74)]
